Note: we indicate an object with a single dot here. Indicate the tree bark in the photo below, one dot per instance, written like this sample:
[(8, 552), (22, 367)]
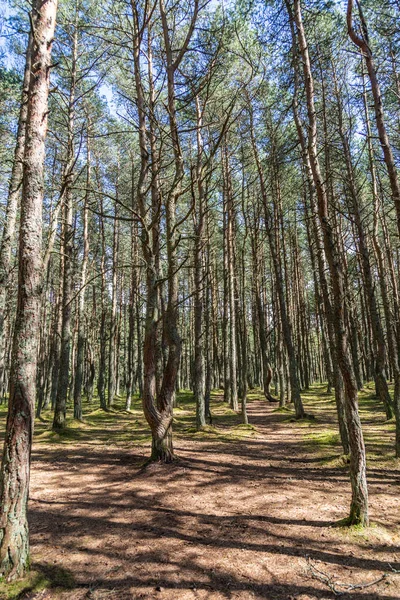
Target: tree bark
[(60, 410), (364, 45), (8, 236), (15, 467), (359, 502)]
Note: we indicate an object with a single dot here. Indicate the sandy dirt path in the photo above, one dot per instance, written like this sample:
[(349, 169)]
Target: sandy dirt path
[(230, 520)]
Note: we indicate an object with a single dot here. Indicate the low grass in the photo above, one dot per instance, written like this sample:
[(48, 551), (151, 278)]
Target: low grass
[(119, 427)]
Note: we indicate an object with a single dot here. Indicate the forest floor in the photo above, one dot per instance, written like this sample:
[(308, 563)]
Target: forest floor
[(247, 512)]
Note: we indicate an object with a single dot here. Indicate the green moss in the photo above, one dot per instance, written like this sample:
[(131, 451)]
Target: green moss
[(247, 426), (33, 582), (119, 427), (40, 578), (282, 409), (323, 438)]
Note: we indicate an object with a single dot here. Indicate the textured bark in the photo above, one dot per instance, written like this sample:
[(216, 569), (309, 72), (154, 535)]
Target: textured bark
[(15, 467), (359, 503), (377, 329), (59, 420), (113, 337), (80, 357), (199, 279), (280, 288), (364, 45), (8, 236)]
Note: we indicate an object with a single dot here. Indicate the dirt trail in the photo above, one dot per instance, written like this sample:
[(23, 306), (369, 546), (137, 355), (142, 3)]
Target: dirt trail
[(232, 519)]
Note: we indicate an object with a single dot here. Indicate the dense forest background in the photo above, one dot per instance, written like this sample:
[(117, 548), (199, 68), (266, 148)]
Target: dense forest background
[(196, 196)]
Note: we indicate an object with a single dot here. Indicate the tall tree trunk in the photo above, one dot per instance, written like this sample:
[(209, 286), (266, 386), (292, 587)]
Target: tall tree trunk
[(80, 358), (199, 278), (15, 466), (113, 341), (59, 421), (285, 320), (364, 44), (359, 502), (377, 330), (8, 236)]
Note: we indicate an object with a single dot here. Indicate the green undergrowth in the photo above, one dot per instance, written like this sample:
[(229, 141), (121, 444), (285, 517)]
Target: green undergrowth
[(323, 435), (33, 583), (323, 438), (119, 427), (376, 534), (283, 409), (40, 578), (226, 423)]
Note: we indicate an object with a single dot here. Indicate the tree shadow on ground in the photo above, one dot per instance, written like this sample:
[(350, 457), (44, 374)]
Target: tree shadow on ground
[(231, 519)]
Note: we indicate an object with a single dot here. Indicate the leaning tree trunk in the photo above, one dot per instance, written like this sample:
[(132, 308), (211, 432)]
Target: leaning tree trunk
[(319, 246), (393, 346), (15, 467)]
